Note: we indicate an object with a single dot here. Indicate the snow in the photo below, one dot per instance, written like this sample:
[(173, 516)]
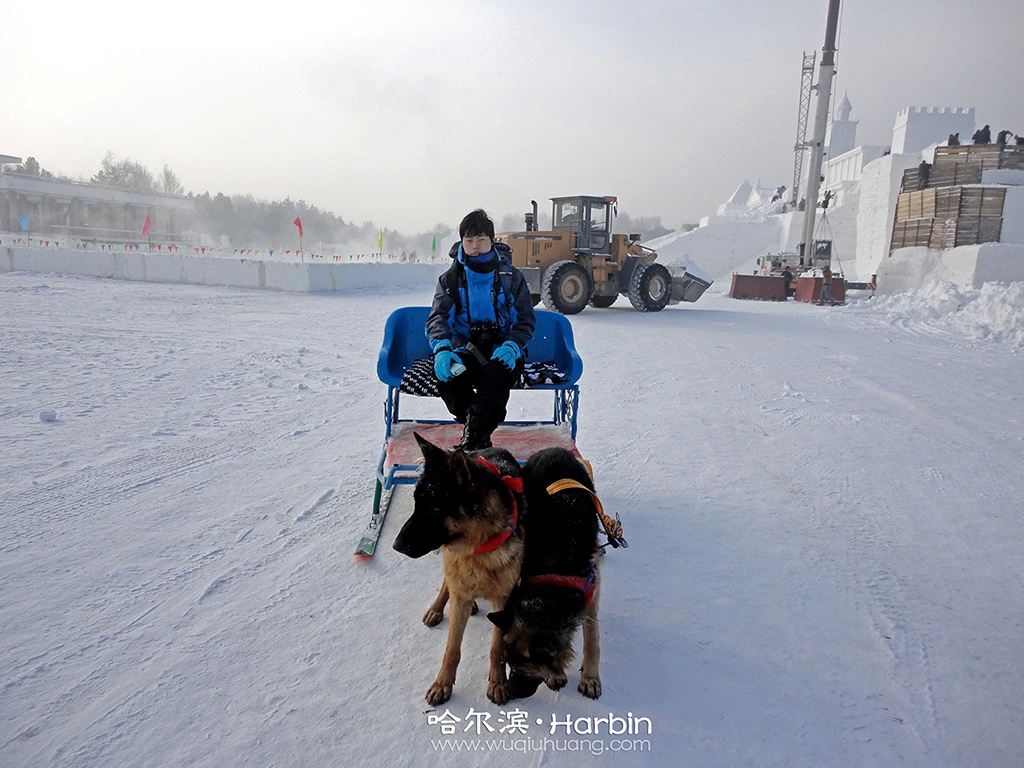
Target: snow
[(823, 507), (994, 311), (1013, 215), (720, 247), (879, 191), (909, 269)]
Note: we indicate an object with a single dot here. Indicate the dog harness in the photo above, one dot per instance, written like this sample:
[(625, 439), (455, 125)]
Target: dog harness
[(584, 585), (514, 486), (613, 528)]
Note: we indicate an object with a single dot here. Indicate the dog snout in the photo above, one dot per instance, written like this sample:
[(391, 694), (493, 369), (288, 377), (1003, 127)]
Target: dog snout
[(421, 535), (409, 546), (522, 686)]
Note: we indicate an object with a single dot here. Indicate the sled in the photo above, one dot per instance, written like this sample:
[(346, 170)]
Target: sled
[(400, 461)]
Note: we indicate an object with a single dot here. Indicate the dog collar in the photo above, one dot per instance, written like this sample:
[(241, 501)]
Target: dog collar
[(584, 585), (514, 486)]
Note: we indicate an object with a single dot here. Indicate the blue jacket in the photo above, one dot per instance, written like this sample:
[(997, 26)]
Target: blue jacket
[(473, 297)]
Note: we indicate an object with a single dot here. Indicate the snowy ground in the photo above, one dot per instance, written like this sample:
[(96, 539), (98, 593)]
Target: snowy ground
[(824, 507)]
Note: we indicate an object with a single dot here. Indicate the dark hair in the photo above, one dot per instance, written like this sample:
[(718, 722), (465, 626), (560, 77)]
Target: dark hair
[(477, 223)]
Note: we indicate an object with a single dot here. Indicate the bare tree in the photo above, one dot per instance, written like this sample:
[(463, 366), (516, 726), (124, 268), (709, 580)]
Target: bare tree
[(124, 173), (169, 183)]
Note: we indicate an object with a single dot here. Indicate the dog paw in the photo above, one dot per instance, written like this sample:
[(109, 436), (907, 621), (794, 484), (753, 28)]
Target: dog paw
[(498, 692), (432, 618), (439, 693), (556, 682), (590, 687)]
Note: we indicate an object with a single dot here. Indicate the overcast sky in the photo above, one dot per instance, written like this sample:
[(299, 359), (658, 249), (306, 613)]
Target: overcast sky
[(411, 114)]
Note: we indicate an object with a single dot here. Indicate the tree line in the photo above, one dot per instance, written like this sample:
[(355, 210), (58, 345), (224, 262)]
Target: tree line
[(249, 222)]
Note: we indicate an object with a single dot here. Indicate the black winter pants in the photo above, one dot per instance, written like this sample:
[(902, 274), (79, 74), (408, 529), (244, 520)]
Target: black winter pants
[(486, 406)]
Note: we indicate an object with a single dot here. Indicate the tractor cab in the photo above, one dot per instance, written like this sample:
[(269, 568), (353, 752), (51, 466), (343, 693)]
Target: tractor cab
[(588, 218)]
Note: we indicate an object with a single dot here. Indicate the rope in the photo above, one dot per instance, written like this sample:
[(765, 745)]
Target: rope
[(612, 528), (832, 237)]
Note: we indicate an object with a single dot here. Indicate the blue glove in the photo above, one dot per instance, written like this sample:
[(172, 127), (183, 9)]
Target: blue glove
[(446, 363), (507, 354)]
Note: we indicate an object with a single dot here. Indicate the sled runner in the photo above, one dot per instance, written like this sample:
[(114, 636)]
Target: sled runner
[(551, 364)]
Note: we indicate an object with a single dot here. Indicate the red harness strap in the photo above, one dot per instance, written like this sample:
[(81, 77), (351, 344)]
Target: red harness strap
[(514, 486), (584, 585)]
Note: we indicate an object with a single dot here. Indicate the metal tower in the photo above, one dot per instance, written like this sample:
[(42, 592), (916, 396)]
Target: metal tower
[(817, 145), (799, 148)]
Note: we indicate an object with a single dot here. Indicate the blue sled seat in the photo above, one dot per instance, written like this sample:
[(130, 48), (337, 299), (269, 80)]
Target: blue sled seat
[(405, 341)]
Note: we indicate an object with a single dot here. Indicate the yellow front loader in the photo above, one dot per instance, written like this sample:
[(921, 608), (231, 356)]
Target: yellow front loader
[(580, 261)]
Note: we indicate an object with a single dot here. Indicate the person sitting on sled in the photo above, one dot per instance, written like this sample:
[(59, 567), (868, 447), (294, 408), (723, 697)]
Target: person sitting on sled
[(479, 325)]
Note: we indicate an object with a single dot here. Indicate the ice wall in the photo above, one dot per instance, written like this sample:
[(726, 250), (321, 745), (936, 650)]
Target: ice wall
[(210, 270), (969, 266), (879, 189), (1013, 213), (917, 127)]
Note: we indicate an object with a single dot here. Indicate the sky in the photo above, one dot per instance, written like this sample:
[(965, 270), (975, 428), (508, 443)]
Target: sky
[(411, 114)]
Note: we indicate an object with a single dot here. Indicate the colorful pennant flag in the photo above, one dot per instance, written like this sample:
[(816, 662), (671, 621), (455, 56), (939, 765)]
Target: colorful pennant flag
[(146, 226), (298, 223)]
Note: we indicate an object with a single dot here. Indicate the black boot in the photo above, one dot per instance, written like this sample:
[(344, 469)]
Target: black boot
[(473, 438)]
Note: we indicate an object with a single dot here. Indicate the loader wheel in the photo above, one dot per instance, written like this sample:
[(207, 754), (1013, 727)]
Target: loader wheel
[(566, 287), (651, 287), (603, 302)]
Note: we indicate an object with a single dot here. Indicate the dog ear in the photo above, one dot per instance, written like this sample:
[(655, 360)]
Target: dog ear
[(501, 619), (431, 452), (461, 472)]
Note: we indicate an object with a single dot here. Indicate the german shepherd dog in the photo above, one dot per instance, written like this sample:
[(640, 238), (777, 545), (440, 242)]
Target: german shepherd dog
[(470, 506), (559, 586)]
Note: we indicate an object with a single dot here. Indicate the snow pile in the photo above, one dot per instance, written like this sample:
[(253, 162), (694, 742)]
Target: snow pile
[(721, 247), (993, 312)]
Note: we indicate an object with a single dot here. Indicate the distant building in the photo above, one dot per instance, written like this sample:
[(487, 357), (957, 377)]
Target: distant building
[(917, 128), (849, 165), (92, 212), (747, 200), (842, 131)]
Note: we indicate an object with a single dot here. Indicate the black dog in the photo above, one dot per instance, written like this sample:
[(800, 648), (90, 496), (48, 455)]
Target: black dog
[(559, 586)]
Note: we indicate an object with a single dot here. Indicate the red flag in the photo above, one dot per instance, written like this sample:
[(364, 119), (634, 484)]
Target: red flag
[(146, 226), (298, 223)]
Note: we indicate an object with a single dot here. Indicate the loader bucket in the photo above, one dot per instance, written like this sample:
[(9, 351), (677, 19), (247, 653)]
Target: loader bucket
[(687, 286)]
